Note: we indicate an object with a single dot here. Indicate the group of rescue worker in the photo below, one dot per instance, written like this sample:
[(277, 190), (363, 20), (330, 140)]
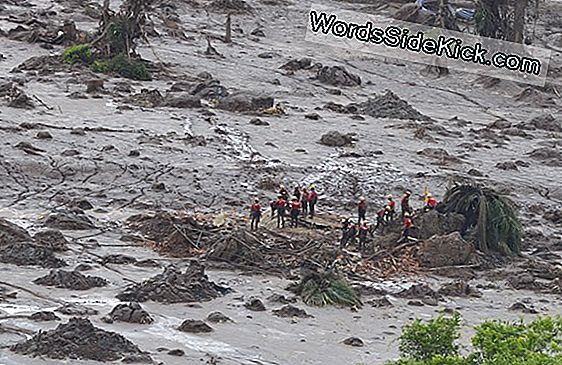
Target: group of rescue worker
[(303, 203)]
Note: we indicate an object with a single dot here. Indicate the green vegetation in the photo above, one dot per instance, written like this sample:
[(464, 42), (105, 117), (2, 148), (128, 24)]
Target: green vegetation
[(495, 343), (321, 289), (131, 69), (80, 53), (493, 216)]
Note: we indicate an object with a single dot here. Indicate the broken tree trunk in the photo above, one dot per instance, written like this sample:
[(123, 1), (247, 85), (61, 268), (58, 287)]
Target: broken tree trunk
[(519, 20), (228, 35)]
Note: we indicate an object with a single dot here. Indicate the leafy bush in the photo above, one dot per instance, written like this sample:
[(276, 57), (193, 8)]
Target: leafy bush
[(495, 343), (435, 338), (80, 53), (131, 69)]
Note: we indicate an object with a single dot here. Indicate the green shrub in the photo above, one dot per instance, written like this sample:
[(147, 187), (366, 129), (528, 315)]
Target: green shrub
[(321, 289), (435, 338), (121, 64), (80, 53)]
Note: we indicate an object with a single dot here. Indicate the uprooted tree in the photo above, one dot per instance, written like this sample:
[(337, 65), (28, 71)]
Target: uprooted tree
[(492, 215)]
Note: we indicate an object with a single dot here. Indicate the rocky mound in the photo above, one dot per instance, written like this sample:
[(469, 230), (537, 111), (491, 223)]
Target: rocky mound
[(448, 250), (131, 313), (68, 221), (80, 340), (337, 76), (390, 105), (51, 238), (545, 122), (435, 223), (70, 280), (337, 139), (11, 233), (243, 102), (548, 155), (173, 286), (289, 311), (195, 326), (24, 253)]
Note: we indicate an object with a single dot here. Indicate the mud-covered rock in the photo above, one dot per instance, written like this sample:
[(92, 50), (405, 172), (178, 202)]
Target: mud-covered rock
[(44, 317), (130, 313), (440, 155), (521, 307), (554, 216), (118, 259), (173, 286), (218, 317), (418, 291), (448, 250), (435, 223), (75, 309), (289, 311), (280, 298), (68, 221), (70, 280), (255, 305), (459, 288), (182, 101), (522, 281), (244, 102), (337, 139), (146, 98), (337, 76), (546, 122), (380, 302), (12, 233), (550, 156), (297, 64), (388, 105), (195, 326), (354, 342), (51, 238), (25, 253), (79, 340)]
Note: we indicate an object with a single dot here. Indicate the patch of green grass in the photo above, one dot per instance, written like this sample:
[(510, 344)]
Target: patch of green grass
[(120, 64), (80, 53)]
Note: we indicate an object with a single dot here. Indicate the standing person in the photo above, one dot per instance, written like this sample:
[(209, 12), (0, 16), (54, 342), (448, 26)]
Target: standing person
[(304, 201), (295, 211), (392, 204), (284, 192), (345, 226), (255, 215), (381, 221), (407, 228), (312, 200), (362, 209), (281, 209), (363, 231), (273, 206), (297, 192), (405, 203)]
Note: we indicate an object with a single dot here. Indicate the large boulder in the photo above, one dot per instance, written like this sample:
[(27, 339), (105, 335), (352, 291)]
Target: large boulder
[(11, 233), (435, 223), (447, 250)]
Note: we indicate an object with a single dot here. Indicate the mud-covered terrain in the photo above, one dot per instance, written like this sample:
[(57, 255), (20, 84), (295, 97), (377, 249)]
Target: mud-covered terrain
[(89, 162)]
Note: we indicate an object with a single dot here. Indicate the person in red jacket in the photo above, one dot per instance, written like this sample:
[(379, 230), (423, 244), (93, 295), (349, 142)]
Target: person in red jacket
[(363, 232), (312, 200), (281, 205), (255, 215), (405, 203), (362, 209), (407, 228), (392, 204), (431, 203), (304, 201), (295, 211), (381, 221)]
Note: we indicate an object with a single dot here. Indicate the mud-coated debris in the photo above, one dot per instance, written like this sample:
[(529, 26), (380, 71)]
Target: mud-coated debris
[(507, 165), (80, 340), (432, 302), (380, 302), (173, 286), (255, 305), (75, 309), (176, 352), (182, 101), (439, 154), (44, 317), (415, 303), (295, 65), (131, 313), (354, 341), (134, 153), (244, 102), (24, 253), (522, 281), (280, 298), (554, 215), (68, 221), (195, 326), (230, 6), (78, 131), (337, 76), (43, 135), (289, 311), (29, 148), (218, 317), (83, 267), (82, 204), (448, 250), (418, 291), (549, 155), (147, 263), (12, 233), (70, 280), (146, 98), (546, 122), (475, 172), (520, 307), (258, 32), (51, 238), (21, 101), (159, 186), (459, 288), (94, 86), (258, 121), (70, 153), (118, 259), (434, 223), (137, 359), (388, 105), (337, 139)]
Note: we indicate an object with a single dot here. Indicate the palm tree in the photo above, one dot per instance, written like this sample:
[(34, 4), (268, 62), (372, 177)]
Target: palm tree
[(492, 215), (323, 288)]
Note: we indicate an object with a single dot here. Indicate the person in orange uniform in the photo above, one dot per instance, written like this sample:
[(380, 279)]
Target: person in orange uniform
[(312, 200), (363, 232), (405, 203), (431, 203), (408, 224), (281, 205), (255, 215), (362, 209), (304, 201), (295, 211), (392, 204)]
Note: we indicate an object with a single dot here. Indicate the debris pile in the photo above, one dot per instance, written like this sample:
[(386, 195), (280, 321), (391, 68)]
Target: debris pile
[(51, 238), (69, 221), (131, 313), (79, 340), (289, 311), (389, 105), (24, 253), (448, 250), (70, 280), (173, 286), (337, 76), (11, 233)]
